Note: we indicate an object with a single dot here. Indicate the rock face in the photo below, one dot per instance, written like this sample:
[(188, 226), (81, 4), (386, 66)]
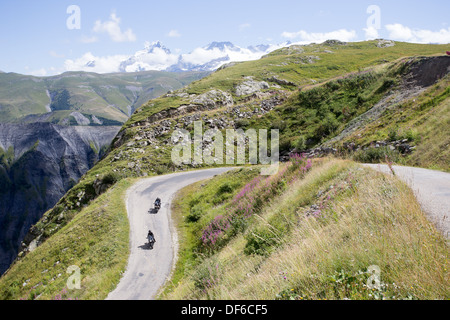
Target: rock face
[(214, 99), (250, 86), (38, 163), (385, 43)]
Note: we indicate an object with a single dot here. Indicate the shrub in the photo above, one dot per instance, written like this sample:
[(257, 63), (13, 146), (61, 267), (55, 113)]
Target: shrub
[(376, 155), (110, 178), (224, 188), (300, 144), (387, 84), (242, 123), (279, 124), (195, 214), (393, 134), (328, 125), (249, 201), (412, 135), (214, 231)]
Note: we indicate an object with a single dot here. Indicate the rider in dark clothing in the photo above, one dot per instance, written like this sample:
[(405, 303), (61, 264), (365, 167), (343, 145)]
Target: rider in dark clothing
[(150, 236), (157, 201)]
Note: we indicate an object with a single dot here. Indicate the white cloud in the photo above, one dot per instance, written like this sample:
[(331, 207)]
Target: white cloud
[(318, 37), (201, 56), (90, 63), (157, 59), (174, 34), (112, 28), (371, 33), (39, 73), (400, 32)]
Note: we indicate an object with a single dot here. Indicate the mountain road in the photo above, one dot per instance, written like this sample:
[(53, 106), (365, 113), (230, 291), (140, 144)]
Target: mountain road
[(431, 188), (147, 268)]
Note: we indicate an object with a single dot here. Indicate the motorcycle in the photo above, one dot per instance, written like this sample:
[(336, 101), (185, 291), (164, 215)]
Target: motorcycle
[(157, 205), (151, 240)]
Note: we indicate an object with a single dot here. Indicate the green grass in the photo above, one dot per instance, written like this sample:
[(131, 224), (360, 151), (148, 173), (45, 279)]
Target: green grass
[(96, 241), (423, 120), (365, 218), (346, 83), (103, 95), (193, 210), (353, 57)]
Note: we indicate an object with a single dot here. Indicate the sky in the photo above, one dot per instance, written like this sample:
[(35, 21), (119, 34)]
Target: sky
[(49, 37)]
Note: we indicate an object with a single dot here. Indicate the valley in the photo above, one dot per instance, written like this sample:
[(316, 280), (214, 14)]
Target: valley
[(313, 229), (53, 130)]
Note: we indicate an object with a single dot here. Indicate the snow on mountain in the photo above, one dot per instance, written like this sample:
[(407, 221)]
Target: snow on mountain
[(155, 56)]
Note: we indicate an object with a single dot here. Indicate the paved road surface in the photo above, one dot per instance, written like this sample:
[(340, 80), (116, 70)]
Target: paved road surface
[(148, 269), (432, 189)]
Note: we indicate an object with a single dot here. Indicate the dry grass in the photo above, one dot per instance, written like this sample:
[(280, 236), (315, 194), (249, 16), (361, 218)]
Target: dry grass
[(375, 221)]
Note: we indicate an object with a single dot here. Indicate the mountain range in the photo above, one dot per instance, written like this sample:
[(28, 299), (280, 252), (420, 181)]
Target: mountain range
[(369, 101), (83, 98), (53, 129), (155, 56)]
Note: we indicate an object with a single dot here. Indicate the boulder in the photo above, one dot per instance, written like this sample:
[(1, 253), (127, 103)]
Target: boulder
[(250, 86)]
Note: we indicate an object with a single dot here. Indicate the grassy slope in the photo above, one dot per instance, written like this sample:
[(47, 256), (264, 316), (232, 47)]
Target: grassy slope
[(424, 120), (293, 66), (96, 240), (369, 219), (14, 103), (103, 95), (133, 159), (349, 82)]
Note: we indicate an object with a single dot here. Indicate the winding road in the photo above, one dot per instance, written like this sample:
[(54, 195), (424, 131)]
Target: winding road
[(148, 269)]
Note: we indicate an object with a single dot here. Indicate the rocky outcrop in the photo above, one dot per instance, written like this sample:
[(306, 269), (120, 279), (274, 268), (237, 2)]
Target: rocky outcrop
[(214, 99), (424, 72), (385, 43), (44, 161), (281, 82), (250, 86), (403, 147)]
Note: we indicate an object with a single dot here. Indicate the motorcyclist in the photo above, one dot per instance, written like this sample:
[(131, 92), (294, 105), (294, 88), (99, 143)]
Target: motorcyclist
[(151, 236), (157, 202)]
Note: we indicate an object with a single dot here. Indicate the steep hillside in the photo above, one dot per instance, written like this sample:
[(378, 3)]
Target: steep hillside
[(82, 98), (313, 231), (310, 93), (53, 129), (38, 164)]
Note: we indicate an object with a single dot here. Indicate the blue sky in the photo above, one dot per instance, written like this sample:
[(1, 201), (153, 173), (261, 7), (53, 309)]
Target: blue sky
[(35, 39)]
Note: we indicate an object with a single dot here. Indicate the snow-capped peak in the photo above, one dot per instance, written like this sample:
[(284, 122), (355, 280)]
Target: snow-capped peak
[(222, 46), (150, 47), (155, 56)]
